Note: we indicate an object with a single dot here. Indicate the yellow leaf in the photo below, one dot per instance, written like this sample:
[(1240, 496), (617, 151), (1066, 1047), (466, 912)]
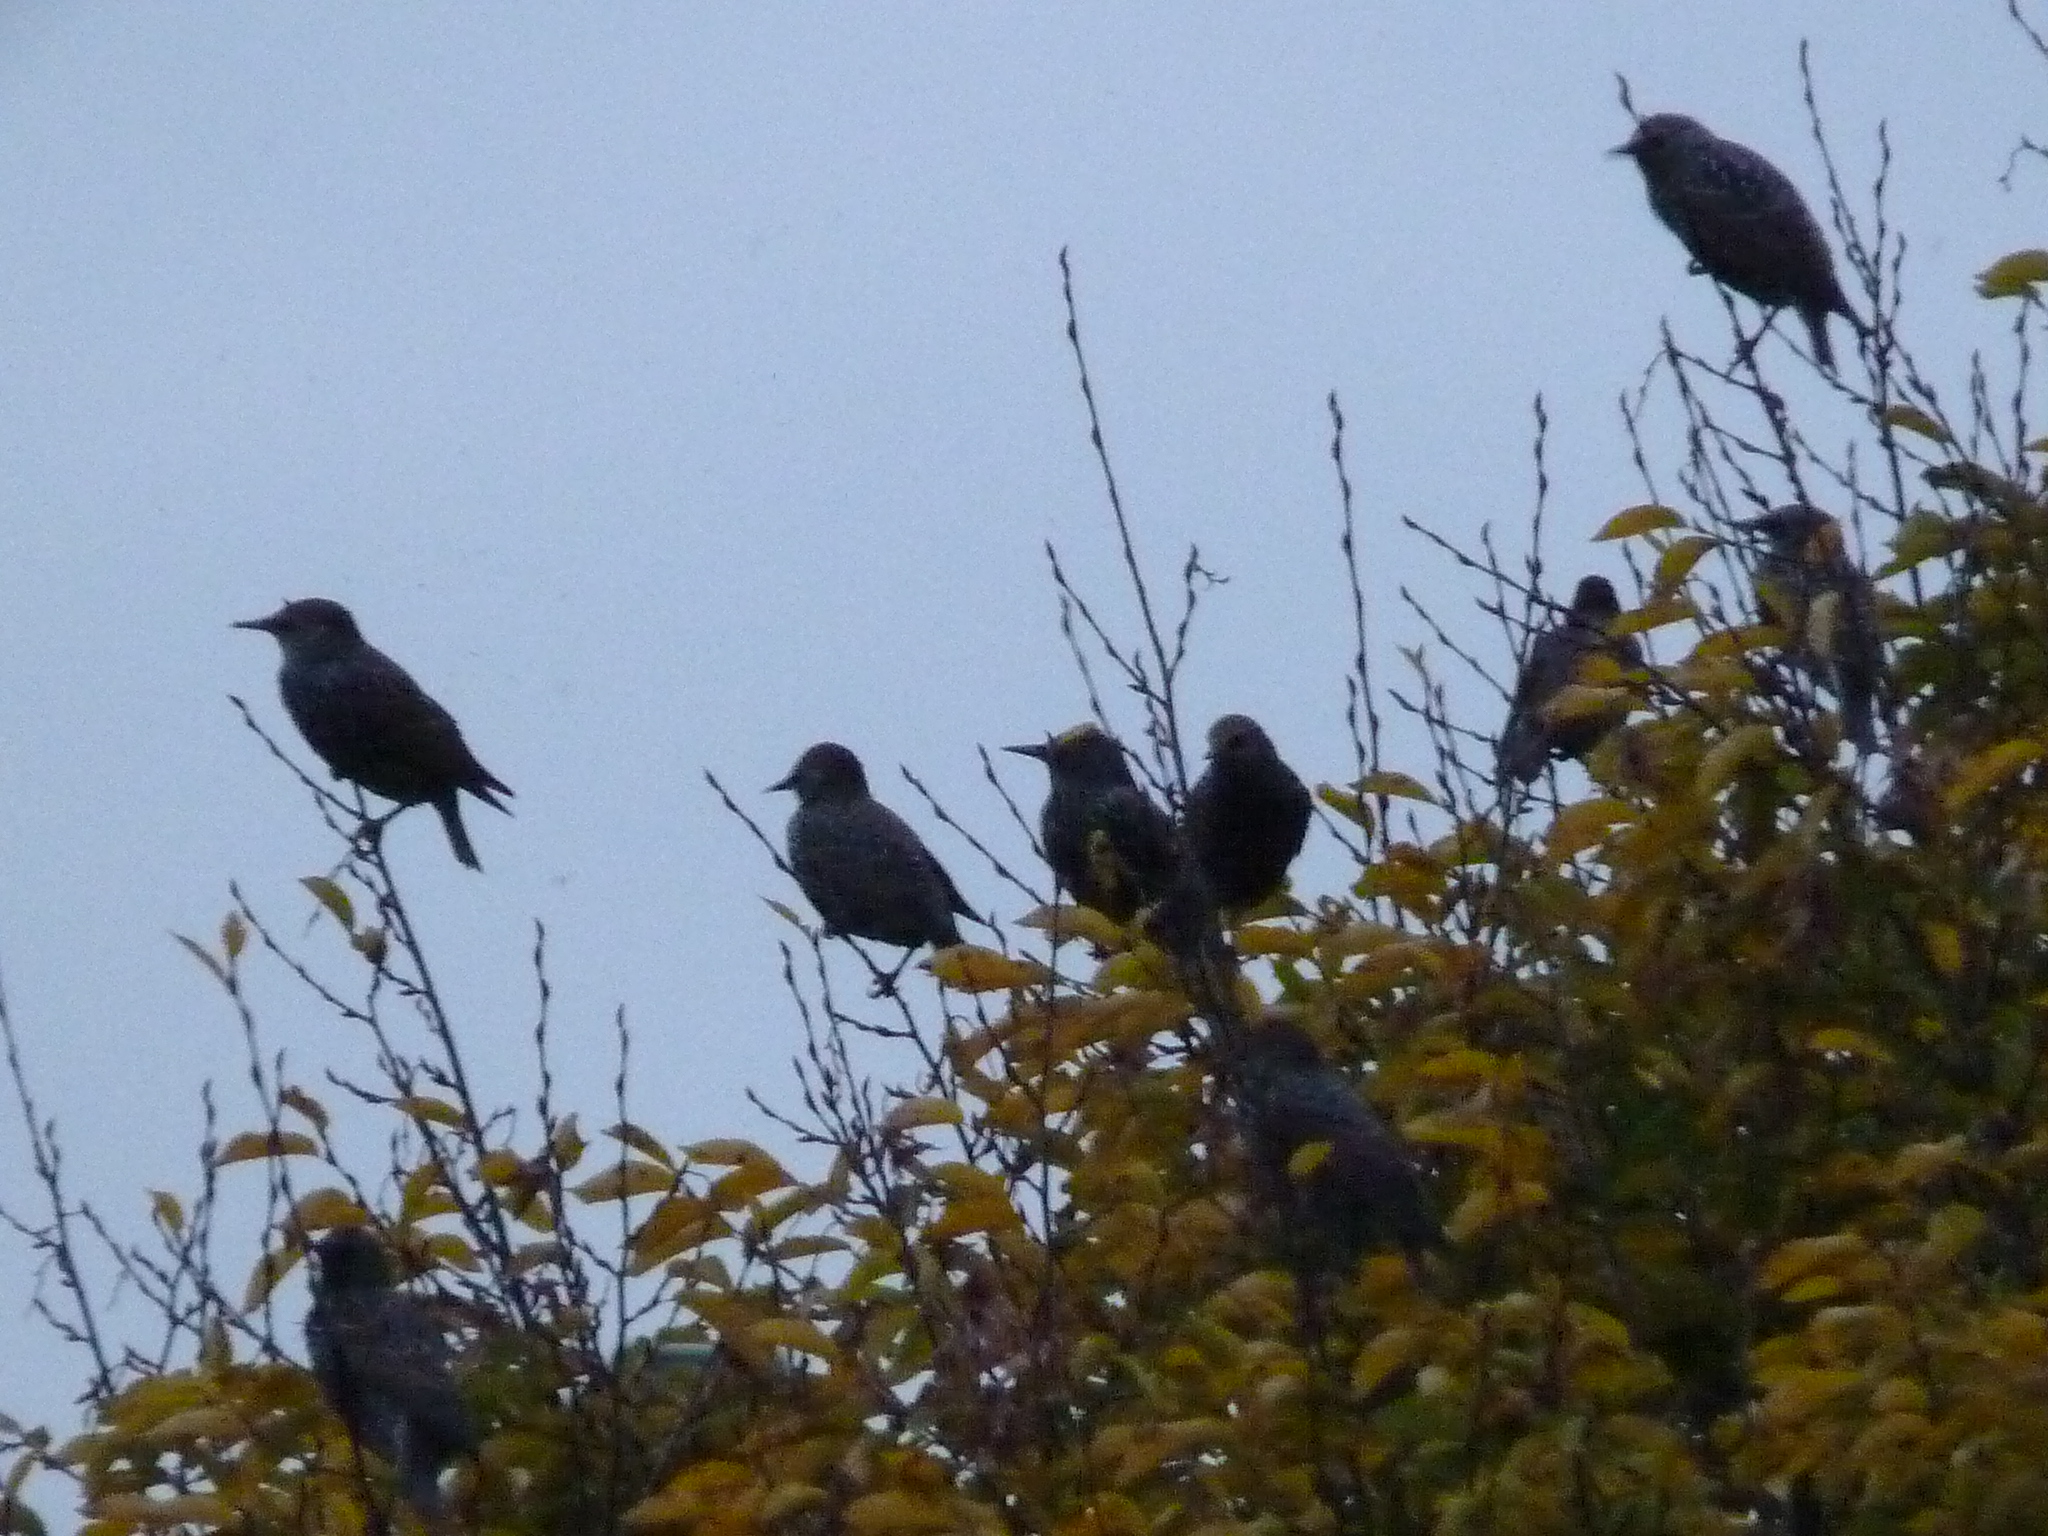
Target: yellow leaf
[(566, 1144), (874, 1514), (789, 1499), (912, 1114), (2013, 276), (1307, 1158), (499, 1167), (254, 1146), (1925, 1161), (212, 1422), (1386, 1354), (1654, 614), (624, 1180), (748, 1181), (1812, 1255), (435, 1111), (263, 1279), (679, 1223), (1910, 418), (794, 1333), (305, 1104), (1576, 701), (1065, 921), (1346, 804), (1847, 1042), (169, 1214), (1477, 1211), (640, 1141), (1398, 785), (1987, 770), (1678, 559), (1637, 521), (205, 1509), (327, 1207), (724, 1152), (333, 898), (1944, 946), (1728, 756), (1579, 826), (974, 1213), (234, 935), (1266, 939), (970, 968)]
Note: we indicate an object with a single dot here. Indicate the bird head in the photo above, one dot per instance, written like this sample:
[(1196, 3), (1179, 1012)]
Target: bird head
[(1087, 754), (1798, 532), (1277, 1042), (1239, 739), (309, 626), (1660, 138), (826, 771), (1594, 600), (352, 1259)]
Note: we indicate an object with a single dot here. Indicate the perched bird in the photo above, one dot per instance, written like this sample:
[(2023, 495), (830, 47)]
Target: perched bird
[(1530, 739), (1743, 222), (1109, 844), (369, 721), (1356, 1190), (1808, 586), (859, 864), (1247, 815), (382, 1361)]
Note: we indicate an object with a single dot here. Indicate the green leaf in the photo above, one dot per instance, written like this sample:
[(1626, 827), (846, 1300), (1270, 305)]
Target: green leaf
[(1636, 521), (333, 898), (2014, 276), (1910, 418)]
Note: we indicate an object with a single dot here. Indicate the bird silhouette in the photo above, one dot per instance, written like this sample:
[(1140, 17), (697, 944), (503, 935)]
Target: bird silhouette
[(1108, 843), (1531, 738)]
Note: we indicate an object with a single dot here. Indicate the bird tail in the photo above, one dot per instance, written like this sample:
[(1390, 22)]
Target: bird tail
[(450, 809), (1817, 327)]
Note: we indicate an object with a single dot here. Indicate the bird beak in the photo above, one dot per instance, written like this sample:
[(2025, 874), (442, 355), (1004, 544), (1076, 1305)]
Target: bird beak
[(788, 781), (269, 623), (1632, 148), (1037, 750)]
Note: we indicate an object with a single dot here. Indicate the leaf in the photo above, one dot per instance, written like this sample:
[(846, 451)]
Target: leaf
[(1346, 804), (212, 1421), (2013, 276), (1576, 701), (333, 898), (434, 1111), (1637, 521), (1307, 1158), (1064, 921), (783, 911), (974, 1213), (270, 1268), (873, 1514), (1805, 1256), (207, 1509), (234, 935), (913, 1114), (327, 1207), (1579, 826), (1910, 418), (1397, 785), (305, 1104), (640, 1141), (624, 1180), (1754, 742), (167, 1212), (1987, 770), (724, 1152), (1944, 947), (1847, 1042), (1385, 1355), (254, 1146), (970, 968), (748, 1181), (795, 1333), (1678, 559)]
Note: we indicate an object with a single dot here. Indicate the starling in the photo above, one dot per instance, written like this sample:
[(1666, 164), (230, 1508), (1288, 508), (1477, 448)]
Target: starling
[(382, 1361), (860, 865), (1804, 562), (1109, 844), (1743, 222), (1361, 1192), (1247, 815), (369, 721), (1531, 739)]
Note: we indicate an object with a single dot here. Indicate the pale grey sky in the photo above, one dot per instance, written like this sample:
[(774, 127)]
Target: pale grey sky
[(671, 386)]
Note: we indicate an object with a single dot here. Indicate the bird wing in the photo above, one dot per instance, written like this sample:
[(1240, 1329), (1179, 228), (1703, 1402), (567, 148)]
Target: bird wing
[(370, 722), (1748, 226)]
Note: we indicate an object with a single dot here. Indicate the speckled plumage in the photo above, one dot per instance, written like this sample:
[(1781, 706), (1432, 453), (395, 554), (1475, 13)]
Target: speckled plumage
[(1805, 558), (1247, 815), (1530, 739), (1363, 1193), (1742, 220), (860, 865), (1108, 843), (369, 721), (382, 1361)]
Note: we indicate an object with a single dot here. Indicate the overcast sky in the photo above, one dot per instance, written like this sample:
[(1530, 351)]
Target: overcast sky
[(671, 386)]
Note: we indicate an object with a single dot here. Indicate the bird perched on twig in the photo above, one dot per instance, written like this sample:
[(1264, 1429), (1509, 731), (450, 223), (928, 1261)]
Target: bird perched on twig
[(1335, 1178), (860, 865), (1808, 586), (1531, 738), (1742, 220), (381, 1359), (1246, 817), (1109, 844), (370, 722)]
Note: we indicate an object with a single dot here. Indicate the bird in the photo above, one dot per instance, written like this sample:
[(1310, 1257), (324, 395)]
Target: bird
[(1805, 561), (382, 1362), (1359, 1191), (370, 723), (1109, 844), (858, 862), (1246, 817), (1742, 221), (1530, 739)]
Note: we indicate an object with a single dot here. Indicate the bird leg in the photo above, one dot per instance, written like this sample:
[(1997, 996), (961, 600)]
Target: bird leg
[(369, 833)]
